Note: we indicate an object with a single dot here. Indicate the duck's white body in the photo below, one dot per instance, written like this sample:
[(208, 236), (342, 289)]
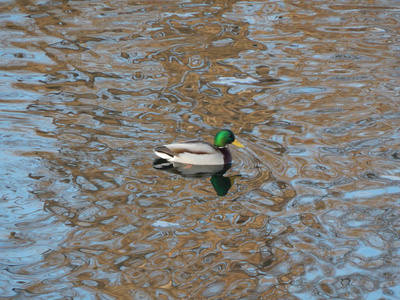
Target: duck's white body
[(195, 153)]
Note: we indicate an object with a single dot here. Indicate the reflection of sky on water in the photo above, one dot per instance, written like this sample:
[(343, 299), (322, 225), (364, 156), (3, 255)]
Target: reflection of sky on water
[(365, 194)]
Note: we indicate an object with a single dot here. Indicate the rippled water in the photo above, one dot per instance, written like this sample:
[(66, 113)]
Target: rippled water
[(308, 210)]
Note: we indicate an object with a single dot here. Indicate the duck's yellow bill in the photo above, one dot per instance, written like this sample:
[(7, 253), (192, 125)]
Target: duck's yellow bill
[(237, 143)]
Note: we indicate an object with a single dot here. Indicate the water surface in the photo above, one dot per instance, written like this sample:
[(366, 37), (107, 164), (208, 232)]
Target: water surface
[(88, 88)]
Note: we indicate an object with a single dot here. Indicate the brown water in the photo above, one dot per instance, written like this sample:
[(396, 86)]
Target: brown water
[(311, 88)]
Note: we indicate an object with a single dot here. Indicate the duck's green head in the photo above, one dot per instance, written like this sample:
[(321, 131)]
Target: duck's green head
[(225, 137)]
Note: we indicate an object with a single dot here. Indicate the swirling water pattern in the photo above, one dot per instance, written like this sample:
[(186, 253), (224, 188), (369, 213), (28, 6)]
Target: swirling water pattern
[(88, 88)]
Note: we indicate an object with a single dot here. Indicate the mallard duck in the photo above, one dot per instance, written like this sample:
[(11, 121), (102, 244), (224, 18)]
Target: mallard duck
[(200, 152)]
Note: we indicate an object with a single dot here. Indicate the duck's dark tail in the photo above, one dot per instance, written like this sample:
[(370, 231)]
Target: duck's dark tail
[(164, 152)]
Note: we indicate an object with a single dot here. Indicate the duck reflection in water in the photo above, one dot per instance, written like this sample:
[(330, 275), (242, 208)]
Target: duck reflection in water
[(200, 159), (220, 183)]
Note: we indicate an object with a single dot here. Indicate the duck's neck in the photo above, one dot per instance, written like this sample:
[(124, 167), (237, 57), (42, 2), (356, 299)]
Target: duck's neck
[(226, 153)]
